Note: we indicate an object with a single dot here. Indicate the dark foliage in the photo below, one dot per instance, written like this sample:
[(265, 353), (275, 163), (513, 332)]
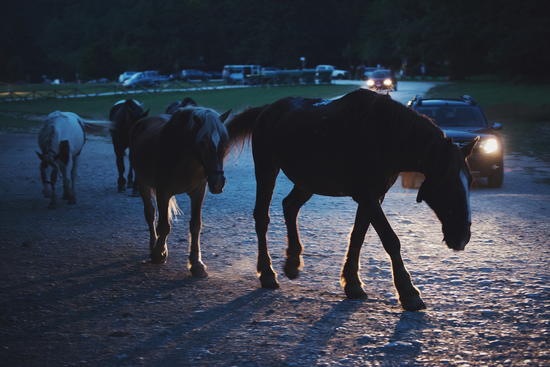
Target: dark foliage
[(68, 39)]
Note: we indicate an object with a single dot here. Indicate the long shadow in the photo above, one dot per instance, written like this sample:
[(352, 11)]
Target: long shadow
[(403, 347), (117, 275), (66, 276), (183, 341), (318, 336)]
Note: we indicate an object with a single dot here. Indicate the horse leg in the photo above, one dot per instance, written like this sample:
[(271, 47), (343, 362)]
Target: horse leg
[(409, 295), (65, 169), (72, 194), (130, 180), (265, 183), (196, 266), (291, 206), (149, 212), (119, 152), (53, 180), (350, 280), (159, 253)]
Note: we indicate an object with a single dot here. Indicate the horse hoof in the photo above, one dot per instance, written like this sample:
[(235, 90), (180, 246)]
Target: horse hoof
[(198, 271), (355, 292), (413, 304), (269, 281), (291, 272), (158, 258)]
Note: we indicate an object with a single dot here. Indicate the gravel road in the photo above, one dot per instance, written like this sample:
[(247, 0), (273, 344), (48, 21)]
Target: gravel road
[(76, 290)]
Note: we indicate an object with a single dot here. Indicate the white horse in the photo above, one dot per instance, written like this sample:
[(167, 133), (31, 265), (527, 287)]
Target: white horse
[(61, 140)]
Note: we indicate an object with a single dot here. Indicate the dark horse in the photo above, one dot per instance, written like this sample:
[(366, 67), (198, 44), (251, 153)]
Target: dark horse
[(173, 107), (353, 146), (174, 154), (124, 115)]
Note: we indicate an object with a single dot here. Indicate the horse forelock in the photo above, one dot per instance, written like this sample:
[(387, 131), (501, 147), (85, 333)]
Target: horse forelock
[(211, 127)]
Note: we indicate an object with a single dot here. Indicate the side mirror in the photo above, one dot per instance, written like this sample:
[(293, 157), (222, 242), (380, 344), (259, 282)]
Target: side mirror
[(496, 126)]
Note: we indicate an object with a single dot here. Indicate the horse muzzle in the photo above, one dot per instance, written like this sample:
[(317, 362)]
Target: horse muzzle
[(216, 183), (457, 240)]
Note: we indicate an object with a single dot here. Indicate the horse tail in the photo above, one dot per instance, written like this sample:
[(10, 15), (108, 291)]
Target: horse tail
[(240, 127), (173, 209)]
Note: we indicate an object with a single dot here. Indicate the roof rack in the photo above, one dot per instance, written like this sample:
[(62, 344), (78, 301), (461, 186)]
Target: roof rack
[(416, 100), (469, 99)]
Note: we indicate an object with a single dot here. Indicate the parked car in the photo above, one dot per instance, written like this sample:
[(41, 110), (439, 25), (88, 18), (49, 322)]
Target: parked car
[(194, 74), (368, 72), (336, 73), (145, 79), (462, 120), (125, 76), (382, 79), (238, 74)]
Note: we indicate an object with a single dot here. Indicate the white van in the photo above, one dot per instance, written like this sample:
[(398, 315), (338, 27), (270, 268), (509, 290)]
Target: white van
[(237, 74)]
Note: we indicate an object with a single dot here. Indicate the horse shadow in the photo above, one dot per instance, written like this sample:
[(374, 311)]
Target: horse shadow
[(191, 337), (403, 347)]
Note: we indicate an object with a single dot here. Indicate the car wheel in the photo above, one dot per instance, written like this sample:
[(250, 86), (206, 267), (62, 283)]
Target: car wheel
[(496, 178)]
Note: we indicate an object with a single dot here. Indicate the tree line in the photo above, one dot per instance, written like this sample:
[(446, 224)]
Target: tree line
[(102, 38)]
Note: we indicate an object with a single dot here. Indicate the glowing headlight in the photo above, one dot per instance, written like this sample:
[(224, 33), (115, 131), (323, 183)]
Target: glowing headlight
[(370, 83), (489, 145), (387, 82)]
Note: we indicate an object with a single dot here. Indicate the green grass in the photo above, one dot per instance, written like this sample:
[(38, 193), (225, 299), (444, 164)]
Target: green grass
[(22, 115), (524, 111)]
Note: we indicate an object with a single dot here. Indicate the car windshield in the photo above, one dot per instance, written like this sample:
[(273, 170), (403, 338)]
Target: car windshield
[(447, 116), (381, 74)]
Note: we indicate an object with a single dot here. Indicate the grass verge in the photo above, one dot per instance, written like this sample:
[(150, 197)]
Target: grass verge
[(25, 115)]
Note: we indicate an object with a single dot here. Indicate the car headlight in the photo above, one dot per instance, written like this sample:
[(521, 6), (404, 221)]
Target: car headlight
[(370, 83), (490, 145), (387, 82)]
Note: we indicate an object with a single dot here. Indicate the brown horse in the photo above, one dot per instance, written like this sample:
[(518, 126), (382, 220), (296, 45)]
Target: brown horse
[(174, 154), (353, 146)]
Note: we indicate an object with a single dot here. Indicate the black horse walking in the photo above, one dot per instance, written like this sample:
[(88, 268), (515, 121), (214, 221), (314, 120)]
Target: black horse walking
[(124, 115), (353, 146)]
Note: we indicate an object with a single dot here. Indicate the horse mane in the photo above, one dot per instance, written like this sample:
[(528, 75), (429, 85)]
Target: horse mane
[(415, 136)]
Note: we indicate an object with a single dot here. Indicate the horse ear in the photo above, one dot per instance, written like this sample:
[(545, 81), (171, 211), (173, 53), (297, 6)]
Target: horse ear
[(225, 115), (467, 149), (40, 155), (187, 101)]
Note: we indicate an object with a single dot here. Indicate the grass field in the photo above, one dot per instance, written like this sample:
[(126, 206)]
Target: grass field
[(25, 115), (524, 110)]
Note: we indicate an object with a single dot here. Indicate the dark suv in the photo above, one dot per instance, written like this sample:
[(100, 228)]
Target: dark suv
[(462, 120)]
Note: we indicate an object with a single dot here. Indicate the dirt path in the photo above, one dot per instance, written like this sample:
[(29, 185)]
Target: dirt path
[(75, 291)]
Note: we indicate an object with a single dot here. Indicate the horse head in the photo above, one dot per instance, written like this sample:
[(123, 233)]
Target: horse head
[(446, 190), (211, 143)]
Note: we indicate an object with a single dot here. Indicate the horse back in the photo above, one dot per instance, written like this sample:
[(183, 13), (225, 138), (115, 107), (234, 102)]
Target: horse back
[(62, 127)]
